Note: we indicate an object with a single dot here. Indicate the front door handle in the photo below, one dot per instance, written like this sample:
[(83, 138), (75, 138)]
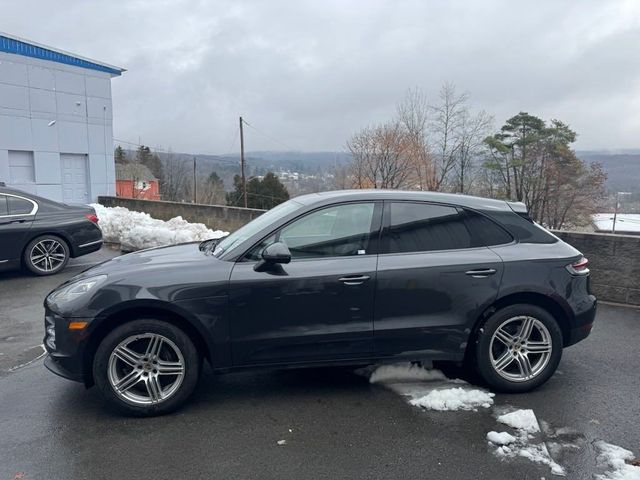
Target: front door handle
[(354, 279), (481, 272)]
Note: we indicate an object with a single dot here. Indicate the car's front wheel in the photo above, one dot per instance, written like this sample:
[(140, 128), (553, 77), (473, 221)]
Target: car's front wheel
[(518, 348), (146, 367)]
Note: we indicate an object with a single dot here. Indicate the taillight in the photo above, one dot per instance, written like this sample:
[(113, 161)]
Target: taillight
[(92, 217), (581, 267)]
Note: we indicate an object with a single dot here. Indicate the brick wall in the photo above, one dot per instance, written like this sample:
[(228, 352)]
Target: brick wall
[(614, 261), (216, 217)]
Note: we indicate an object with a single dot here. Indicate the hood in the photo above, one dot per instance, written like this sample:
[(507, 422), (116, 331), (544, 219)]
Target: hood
[(151, 258)]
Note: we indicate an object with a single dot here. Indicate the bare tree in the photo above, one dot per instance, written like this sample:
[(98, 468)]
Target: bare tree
[(413, 115), (472, 131), (380, 157), (447, 120), (175, 181)]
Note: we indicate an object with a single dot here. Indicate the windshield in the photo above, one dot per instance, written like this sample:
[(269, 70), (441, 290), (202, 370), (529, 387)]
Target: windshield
[(236, 238)]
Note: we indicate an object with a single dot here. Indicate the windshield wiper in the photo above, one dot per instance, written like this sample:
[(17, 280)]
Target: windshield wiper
[(207, 246)]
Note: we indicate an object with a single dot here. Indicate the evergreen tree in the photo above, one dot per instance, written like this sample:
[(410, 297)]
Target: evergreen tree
[(120, 155), (264, 194)]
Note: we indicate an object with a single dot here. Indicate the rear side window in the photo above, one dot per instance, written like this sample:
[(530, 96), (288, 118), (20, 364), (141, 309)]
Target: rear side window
[(423, 227), (19, 206), (4, 210), (485, 232)]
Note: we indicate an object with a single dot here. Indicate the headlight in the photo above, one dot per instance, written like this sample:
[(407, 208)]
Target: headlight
[(76, 289)]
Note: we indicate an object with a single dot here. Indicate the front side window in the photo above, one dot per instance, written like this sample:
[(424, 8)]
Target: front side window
[(423, 227), (19, 206), (342, 230)]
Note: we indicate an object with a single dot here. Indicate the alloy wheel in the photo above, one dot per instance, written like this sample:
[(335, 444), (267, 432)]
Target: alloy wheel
[(47, 255), (146, 369), (520, 348)]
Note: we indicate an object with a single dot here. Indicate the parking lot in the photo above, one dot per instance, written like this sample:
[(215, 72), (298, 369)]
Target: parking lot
[(333, 422)]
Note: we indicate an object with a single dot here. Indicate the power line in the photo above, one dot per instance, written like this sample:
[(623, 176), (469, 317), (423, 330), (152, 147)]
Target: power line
[(282, 144)]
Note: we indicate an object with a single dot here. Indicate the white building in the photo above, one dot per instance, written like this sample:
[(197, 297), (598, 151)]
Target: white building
[(56, 129)]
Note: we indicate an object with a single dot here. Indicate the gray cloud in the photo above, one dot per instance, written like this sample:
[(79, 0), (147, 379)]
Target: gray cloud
[(310, 73)]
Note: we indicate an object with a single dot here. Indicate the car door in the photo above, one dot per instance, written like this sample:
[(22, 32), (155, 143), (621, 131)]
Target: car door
[(16, 218), (434, 279), (320, 305)]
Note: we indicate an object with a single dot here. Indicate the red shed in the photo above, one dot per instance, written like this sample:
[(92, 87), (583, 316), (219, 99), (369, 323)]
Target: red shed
[(135, 180)]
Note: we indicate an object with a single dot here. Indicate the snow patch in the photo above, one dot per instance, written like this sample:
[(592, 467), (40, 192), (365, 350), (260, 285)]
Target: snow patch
[(137, 230), (614, 459), (501, 438), (521, 420), (404, 372), (519, 445), (430, 389), (454, 399)]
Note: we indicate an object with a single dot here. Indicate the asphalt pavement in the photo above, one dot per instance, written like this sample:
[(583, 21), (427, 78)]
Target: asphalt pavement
[(334, 423)]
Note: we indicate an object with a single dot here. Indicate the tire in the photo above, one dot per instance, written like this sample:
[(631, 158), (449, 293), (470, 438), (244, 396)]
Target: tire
[(46, 255), (142, 383), (500, 339)]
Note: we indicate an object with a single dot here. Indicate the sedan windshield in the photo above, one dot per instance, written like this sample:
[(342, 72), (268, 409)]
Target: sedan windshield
[(236, 238)]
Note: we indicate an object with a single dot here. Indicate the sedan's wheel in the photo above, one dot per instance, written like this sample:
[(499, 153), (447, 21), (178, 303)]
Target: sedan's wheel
[(146, 367), (519, 348), (46, 255)]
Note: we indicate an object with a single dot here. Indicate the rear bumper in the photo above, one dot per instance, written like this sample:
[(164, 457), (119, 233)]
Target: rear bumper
[(88, 248), (583, 323)]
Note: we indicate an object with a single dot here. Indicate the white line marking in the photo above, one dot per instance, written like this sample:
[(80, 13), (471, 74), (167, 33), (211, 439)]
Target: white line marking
[(44, 352)]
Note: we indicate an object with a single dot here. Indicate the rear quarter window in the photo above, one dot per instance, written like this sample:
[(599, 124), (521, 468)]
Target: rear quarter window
[(484, 231), (4, 210), (19, 206)]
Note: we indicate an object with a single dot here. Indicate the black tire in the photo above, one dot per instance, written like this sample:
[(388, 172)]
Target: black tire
[(483, 349), (43, 269), (142, 327)]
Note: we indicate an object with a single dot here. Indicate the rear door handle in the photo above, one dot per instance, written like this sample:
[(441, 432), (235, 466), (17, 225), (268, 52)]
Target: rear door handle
[(481, 272), (354, 279)]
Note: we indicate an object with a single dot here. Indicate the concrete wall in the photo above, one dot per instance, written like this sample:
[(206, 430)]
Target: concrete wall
[(217, 217), (33, 94), (614, 261)]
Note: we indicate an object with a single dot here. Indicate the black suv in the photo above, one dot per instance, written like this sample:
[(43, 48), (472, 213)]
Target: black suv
[(349, 277)]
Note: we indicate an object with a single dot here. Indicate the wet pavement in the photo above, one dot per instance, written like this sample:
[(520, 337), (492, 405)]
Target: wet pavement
[(335, 424)]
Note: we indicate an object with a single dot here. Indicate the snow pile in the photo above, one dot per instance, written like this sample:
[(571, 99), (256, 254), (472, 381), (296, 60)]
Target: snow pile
[(430, 389), (615, 459), (137, 230), (519, 445)]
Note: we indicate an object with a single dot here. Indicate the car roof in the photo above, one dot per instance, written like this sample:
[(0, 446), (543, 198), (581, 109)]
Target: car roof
[(479, 203)]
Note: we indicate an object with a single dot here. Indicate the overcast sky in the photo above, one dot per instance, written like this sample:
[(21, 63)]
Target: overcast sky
[(310, 73)]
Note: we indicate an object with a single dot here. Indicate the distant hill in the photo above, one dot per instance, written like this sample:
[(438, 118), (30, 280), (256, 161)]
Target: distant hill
[(623, 169)]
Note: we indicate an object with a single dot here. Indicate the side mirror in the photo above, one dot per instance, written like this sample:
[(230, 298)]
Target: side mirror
[(276, 253)]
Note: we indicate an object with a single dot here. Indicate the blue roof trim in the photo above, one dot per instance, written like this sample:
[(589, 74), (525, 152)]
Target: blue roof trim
[(17, 47)]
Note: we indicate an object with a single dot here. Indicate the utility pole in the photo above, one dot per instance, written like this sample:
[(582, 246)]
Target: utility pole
[(615, 212), (195, 183), (244, 180)]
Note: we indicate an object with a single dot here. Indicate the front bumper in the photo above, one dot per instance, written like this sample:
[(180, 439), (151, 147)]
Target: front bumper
[(63, 368), (65, 349)]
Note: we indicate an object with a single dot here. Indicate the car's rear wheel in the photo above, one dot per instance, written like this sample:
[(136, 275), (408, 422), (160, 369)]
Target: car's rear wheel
[(146, 367), (518, 348), (46, 255)]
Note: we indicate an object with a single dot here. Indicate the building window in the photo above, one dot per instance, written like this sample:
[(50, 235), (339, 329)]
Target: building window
[(21, 168)]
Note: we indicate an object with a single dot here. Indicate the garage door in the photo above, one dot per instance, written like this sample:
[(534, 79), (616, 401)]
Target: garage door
[(75, 188)]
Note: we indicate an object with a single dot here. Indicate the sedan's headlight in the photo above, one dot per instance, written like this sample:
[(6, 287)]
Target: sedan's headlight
[(76, 289)]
